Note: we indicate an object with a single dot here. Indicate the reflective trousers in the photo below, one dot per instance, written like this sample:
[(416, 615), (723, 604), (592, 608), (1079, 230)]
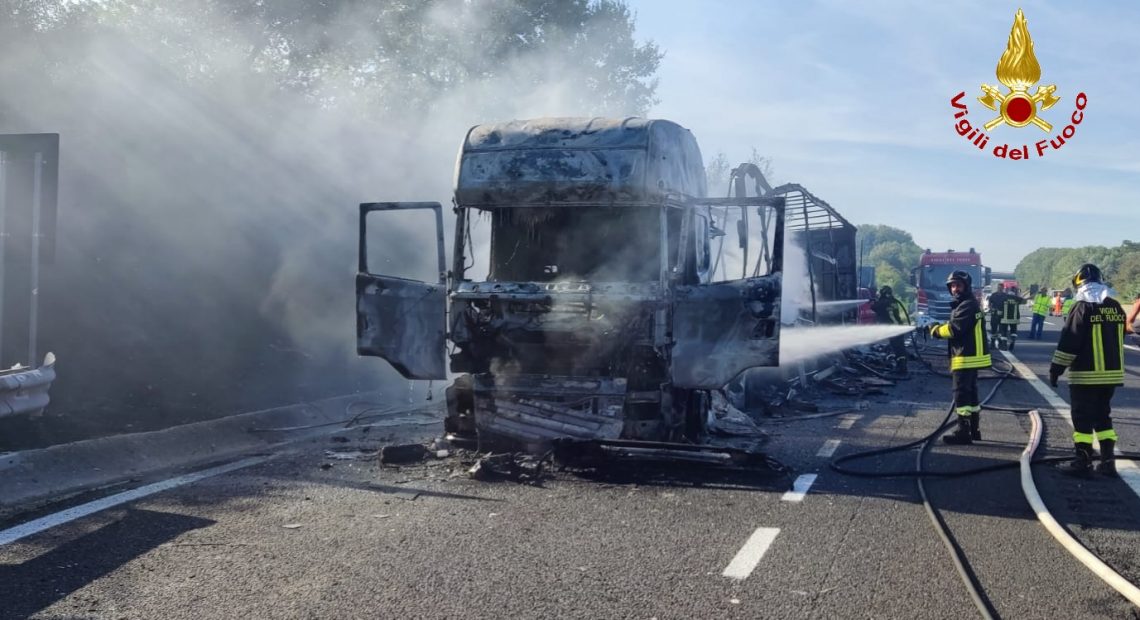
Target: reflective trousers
[(964, 383)]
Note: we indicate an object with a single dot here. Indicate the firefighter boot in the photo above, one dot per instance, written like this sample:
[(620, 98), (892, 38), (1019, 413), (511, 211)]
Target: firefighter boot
[(976, 425), (1081, 466), (962, 435), (1107, 465), (1012, 341)]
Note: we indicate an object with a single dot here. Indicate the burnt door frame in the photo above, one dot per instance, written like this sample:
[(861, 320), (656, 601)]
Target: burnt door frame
[(401, 320), (722, 329)]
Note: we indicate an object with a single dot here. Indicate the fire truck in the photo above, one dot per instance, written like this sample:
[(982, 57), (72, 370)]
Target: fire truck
[(929, 280)]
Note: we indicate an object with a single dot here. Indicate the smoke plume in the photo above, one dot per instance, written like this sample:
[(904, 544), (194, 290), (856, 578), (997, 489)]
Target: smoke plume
[(207, 220)]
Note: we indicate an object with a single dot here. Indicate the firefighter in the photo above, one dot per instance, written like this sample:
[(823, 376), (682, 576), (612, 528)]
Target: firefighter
[(995, 304), (1092, 349), (969, 351), (1040, 309), (886, 309), (1067, 306), (1011, 316)]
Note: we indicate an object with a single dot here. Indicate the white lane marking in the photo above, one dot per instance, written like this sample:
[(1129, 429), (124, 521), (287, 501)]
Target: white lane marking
[(848, 421), (750, 554), (1128, 470), (828, 448), (1132, 346), (24, 530), (799, 488)]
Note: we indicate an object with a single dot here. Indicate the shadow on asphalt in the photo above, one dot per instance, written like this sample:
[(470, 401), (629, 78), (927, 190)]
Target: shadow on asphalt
[(686, 476), (34, 585)]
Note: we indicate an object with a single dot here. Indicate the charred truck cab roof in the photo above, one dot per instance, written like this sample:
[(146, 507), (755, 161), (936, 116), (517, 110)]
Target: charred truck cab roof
[(578, 162), (605, 314)]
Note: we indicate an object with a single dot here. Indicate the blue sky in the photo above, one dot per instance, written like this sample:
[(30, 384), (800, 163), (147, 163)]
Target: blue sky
[(852, 100)]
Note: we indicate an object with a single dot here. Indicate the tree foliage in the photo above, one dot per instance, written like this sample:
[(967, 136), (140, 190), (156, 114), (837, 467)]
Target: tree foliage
[(394, 56), (892, 252), (1054, 267), (213, 153)]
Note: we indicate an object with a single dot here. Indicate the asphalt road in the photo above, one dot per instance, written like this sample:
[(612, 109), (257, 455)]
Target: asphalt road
[(308, 535)]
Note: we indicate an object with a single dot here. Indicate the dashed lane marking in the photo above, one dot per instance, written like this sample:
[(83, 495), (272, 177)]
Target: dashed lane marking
[(846, 422), (750, 554), (799, 488), (13, 534), (828, 448), (1128, 470)]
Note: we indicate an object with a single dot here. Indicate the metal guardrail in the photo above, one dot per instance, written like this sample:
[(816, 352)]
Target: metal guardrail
[(25, 390)]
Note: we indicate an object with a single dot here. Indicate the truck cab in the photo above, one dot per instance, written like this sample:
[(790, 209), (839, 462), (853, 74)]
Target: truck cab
[(604, 302), (929, 280)]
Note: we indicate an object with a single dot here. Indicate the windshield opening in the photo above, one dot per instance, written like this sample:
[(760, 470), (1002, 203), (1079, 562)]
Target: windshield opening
[(934, 276), (601, 244)]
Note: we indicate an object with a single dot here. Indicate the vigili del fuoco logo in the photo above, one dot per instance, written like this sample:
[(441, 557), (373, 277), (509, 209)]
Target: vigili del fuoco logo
[(1018, 71)]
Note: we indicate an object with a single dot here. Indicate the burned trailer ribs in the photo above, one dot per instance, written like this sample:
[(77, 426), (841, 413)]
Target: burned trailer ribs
[(601, 317)]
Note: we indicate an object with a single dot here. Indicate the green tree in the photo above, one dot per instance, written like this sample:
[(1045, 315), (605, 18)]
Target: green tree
[(892, 252), (1126, 279), (1055, 267), (214, 151), (389, 56)]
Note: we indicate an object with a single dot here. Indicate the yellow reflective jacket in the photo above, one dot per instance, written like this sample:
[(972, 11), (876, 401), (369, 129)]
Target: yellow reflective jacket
[(966, 333), (1011, 309)]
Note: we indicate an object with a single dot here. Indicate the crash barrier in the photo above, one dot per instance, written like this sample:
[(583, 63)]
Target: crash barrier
[(1025, 463), (25, 390)]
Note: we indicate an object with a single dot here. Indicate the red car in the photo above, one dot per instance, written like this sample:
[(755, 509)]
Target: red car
[(866, 314)]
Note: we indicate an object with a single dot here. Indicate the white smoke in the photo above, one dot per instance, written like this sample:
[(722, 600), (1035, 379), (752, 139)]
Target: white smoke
[(207, 221), (799, 345), (796, 294)]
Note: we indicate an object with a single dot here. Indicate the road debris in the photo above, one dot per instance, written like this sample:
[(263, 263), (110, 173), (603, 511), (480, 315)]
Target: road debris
[(519, 467), (405, 453)]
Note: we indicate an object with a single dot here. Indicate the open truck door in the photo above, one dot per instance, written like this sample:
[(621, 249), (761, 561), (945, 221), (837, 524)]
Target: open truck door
[(721, 329), (399, 319)]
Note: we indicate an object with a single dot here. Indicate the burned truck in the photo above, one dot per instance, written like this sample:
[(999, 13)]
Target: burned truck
[(618, 300)]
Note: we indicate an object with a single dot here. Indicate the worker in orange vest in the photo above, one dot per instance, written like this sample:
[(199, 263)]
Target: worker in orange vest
[(1057, 303)]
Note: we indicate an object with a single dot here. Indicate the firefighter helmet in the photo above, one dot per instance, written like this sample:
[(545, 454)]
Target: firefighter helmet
[(961, 276), (886, 292), (1087, 272)]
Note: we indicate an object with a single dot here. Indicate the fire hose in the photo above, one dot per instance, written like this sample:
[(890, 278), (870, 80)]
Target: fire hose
[(961, 564)]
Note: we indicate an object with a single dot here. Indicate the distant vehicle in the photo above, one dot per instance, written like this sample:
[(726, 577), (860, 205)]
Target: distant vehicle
[(929, 279)]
